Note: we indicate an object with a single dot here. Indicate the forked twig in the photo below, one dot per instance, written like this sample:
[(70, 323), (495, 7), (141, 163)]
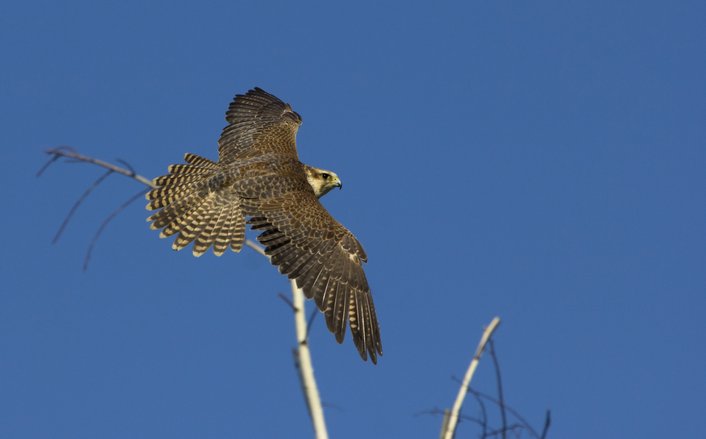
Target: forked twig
[(509, 409), (483, 421), (69, 153), (54, 157)]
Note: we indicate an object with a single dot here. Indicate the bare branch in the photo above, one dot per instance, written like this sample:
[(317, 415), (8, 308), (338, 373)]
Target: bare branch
[(70, 154), (450, 422), (302, 359)]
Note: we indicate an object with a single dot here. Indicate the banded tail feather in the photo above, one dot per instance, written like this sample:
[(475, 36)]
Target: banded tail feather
[(197, 204)]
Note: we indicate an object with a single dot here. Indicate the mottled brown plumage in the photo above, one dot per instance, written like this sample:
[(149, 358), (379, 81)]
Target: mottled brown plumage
[(259, 176)]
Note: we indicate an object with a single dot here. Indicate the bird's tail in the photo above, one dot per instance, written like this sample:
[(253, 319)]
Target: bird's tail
[(196, 202)]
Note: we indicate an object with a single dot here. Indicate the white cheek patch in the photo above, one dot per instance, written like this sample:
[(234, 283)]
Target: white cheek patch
[(315, 184)]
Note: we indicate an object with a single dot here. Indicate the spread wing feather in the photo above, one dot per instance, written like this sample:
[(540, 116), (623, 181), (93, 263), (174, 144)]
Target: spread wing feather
[(309, 245), (197, 204), (258, 123)]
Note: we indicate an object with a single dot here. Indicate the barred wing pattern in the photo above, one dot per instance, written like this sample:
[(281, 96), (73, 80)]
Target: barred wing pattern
[(259, 175), (191, 208), (259, 123)]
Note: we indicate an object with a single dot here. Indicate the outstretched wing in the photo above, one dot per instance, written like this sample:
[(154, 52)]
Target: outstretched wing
[(309, 245), (259, 123)]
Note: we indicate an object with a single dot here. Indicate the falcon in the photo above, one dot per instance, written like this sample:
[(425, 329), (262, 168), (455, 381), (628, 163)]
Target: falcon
[(259, 180)]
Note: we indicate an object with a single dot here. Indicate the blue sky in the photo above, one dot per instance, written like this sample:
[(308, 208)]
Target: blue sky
[(542, 162)]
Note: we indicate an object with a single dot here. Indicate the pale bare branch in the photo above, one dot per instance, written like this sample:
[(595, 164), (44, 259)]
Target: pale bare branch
[(302, 358), (451, 420)]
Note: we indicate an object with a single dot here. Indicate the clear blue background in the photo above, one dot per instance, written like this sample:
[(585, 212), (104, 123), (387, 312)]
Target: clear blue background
[(540, 161)]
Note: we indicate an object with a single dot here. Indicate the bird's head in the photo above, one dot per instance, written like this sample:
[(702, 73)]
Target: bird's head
[(322, 180)]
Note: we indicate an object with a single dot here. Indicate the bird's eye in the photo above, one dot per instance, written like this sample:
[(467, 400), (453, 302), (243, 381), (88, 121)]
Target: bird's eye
[(325, 176)]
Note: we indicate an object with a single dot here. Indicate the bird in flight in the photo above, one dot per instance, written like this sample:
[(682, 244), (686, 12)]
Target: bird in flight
[(259, 180)]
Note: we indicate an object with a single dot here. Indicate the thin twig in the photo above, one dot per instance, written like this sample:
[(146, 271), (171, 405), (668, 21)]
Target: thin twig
[(484, 413), (105, 223), (54, 157), (450, 427), (78, 203), (547, 423), (498, 380), (286, 300), (127, 165), (509, 409), (310, 322), (503, 431)]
